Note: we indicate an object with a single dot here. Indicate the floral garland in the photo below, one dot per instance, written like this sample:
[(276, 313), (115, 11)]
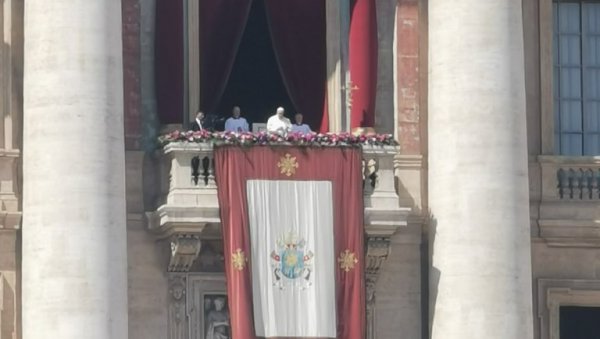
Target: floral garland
[(265, 138)]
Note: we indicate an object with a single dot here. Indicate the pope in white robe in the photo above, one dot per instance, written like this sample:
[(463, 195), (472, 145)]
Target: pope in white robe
[(278, 123)]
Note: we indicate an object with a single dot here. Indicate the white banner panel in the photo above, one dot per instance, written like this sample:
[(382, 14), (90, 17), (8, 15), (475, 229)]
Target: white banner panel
[(292, 259)]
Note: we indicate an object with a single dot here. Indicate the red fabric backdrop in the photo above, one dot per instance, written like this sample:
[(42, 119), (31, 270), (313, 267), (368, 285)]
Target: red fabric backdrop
[(298, 33), (341, 166), (363, 62), (168, 62), (222, 24)]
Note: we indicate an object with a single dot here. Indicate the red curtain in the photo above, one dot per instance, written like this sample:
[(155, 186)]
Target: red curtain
[(341, 166), (298, 32), (222, 24), (168, 62), (363, 62)]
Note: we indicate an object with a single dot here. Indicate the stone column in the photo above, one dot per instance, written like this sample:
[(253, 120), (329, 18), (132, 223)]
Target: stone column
[(480, 278), (74, 244)]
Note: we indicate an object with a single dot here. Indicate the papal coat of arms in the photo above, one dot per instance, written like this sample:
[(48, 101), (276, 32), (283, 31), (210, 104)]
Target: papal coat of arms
[(291, 262)]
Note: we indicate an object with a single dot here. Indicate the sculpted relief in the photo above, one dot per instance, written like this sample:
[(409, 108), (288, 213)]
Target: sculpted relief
[(198, 307), (216, 317)]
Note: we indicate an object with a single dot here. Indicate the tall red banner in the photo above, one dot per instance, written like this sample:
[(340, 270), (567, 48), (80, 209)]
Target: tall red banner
[(363, 63), (341, 166)]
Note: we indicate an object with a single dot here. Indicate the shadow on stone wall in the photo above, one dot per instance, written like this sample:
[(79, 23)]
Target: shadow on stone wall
[(430, 276), (7, 309), (433, 275)]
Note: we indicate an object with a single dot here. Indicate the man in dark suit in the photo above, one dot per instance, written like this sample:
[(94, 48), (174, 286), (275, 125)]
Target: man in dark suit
[(198, 123)]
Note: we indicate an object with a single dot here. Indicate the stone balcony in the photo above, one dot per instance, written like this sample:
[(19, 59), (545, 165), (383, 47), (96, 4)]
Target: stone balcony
[(569, 207), (188, 208)]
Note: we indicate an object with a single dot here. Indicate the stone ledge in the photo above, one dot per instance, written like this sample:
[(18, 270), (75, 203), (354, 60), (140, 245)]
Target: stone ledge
[(10, 220), (570, 233), (10, 153), (170, 220), (384, 223)]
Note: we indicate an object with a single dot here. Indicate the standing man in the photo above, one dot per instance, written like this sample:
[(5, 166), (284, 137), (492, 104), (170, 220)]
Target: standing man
[(278, 123), (298, 126), (197, 125), (236, 123)]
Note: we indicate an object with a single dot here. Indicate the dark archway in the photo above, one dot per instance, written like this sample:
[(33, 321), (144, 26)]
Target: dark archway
[(579, 322), (255, 83)]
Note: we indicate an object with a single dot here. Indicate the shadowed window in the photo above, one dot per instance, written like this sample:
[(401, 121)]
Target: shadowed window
[(579, 322)]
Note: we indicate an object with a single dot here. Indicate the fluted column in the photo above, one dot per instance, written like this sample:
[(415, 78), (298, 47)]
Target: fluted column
[(480, 279), (74, 237)]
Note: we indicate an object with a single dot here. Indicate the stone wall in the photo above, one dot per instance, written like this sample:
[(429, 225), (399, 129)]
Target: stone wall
[(564, 232), (399, 288), (9, 291), (146, 257), (11, 113), (131, 73)]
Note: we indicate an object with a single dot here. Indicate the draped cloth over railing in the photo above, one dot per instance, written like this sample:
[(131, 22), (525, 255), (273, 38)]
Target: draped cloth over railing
[(292, 223)]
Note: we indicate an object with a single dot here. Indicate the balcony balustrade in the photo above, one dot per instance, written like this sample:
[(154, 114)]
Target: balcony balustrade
[(188, 208), (569, 208)]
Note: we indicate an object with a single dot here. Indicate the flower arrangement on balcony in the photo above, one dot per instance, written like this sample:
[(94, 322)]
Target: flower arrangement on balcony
[(265, 138)]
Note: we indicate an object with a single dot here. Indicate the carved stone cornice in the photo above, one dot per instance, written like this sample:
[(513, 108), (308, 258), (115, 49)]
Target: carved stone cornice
[(378, 249), (167, 221), (184, 251)]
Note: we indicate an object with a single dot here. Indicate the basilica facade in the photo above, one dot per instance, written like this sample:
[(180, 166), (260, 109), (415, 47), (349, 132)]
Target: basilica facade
[(482, 222)]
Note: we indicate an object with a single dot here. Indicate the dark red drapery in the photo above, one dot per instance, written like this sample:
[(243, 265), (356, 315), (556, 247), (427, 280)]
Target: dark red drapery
[(298, 32), (341, 166), (363, 62), (222, 24), (168, 62)]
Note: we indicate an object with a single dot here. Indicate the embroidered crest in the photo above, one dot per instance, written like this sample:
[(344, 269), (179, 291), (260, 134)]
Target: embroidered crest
[(347, 260), (291, 263), (238, 259), (288, 165)]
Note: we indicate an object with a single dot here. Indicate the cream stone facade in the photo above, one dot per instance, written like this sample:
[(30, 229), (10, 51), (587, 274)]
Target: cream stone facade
[(476, 226)]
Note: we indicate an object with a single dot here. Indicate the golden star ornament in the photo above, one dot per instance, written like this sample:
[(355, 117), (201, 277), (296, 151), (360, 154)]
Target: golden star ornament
[(287, 165), (347, 260), (238, 259)]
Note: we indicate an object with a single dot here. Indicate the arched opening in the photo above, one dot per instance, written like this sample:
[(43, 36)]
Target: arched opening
[(255, 83), (255, 54)]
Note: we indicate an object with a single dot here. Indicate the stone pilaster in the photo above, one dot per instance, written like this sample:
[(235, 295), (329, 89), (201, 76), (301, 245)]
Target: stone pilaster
[(480, 278), (177, 307), (74, 226), (378, 249)]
